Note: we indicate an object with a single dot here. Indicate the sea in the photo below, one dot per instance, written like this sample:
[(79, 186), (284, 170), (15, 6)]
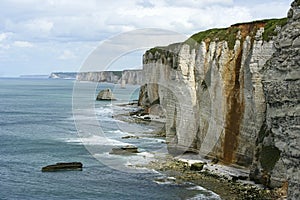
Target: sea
[(45, 121)]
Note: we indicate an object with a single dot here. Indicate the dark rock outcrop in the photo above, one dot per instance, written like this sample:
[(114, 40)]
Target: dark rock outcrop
[(130, 137), (63, 167), (126, 150), (197, 166)]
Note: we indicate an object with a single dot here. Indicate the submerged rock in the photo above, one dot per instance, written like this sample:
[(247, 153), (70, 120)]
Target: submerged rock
[(105, 95), (130, 137), (129, 149), (63, 167)]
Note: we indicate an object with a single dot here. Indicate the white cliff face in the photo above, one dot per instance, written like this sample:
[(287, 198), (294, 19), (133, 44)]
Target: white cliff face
[(239, 104), (104, 76), (133, 77), (212, 95)]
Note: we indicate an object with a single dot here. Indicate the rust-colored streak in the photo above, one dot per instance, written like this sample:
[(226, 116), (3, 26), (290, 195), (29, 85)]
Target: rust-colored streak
[(250, 27), (234, 114)]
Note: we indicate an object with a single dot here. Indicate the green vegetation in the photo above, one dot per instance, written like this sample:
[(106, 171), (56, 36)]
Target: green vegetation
[(270, 28), (156, 49), (227, 34), (230, 34), (117, 73), (161, 49)]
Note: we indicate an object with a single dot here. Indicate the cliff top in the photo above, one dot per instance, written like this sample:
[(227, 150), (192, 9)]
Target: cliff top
[(231, 33), (245, 29)]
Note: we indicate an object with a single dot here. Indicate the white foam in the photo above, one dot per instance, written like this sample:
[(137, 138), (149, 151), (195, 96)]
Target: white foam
[(208, 194), (104, 111), (197, 187), (146, 154), (203, 197), (95, 140), (117, 132)]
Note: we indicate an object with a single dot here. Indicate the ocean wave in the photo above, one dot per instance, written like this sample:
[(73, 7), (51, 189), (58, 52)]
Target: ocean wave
[(95, 140), (104, 111), (118, 132), (207, 194)]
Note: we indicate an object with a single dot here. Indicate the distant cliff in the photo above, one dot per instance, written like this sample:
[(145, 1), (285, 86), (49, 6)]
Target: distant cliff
[(127, 76), (134, 77), (222, 99), (104, 76), (63, 75)]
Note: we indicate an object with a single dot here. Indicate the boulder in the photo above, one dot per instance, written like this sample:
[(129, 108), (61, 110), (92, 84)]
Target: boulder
[(63, 167), (105, 95), (129, 149), (197, 166)]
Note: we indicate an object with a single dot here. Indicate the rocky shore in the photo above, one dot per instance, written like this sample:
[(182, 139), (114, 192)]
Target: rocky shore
[(228, 182), (226, 186)]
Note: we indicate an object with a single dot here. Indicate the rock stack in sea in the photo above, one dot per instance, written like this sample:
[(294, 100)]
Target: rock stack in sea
[(105, 95)]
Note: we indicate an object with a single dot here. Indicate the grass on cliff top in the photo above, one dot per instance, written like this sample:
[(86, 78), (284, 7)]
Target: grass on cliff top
[(160, 49), (117, 73), (229, 34), (220, 34), (270, 28)]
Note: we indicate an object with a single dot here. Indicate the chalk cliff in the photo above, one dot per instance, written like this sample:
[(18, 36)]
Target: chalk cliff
[(133, 77), (103, 76), (222, 96), (63, 75)]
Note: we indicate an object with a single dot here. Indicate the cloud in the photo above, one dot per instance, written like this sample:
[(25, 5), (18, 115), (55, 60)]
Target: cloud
[(3, 36), (39, 25), (52, 25), (67, 55), (198, 3), (145, 3), (75, 20), (23, 44)]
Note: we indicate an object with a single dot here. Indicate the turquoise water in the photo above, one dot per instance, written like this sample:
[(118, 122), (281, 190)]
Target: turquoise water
[(37, 128)]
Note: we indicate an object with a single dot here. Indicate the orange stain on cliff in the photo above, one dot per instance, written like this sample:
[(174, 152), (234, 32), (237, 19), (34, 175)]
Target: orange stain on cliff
[(235, 110), (234, 81)]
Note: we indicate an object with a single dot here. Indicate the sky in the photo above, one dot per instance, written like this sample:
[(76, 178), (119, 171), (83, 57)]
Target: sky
[(44, 36)]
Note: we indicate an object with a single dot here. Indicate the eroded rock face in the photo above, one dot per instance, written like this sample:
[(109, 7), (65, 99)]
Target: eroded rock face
[(133, 77), (234, 100), (212, 94), (281, 81), (104, 76)]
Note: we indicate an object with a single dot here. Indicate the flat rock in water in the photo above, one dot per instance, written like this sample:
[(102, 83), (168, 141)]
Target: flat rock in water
[(129, 149), (130, 137), (63, 167)]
